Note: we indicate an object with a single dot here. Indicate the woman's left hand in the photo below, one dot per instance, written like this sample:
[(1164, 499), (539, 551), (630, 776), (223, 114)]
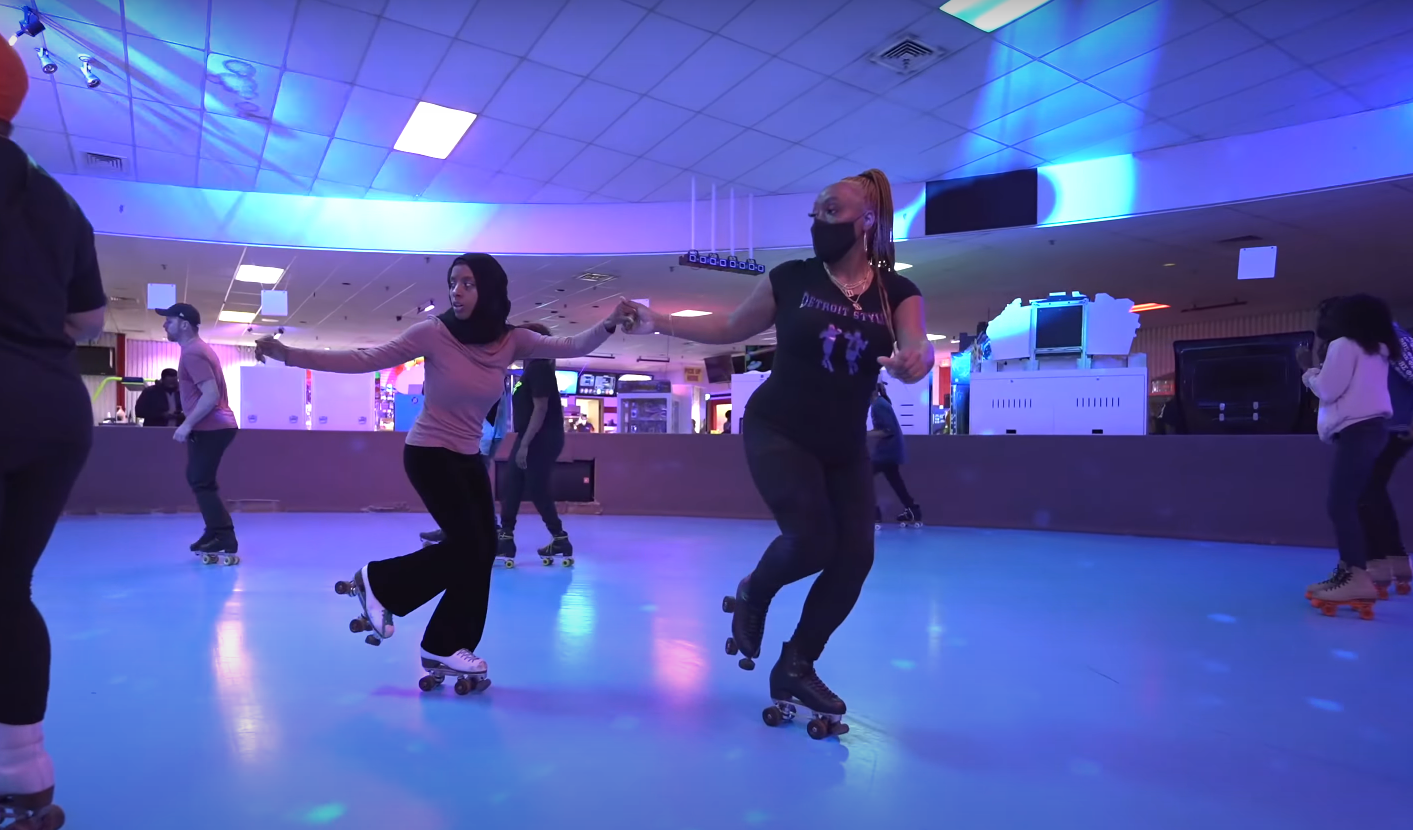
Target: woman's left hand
[(907, 365), (623, 316)]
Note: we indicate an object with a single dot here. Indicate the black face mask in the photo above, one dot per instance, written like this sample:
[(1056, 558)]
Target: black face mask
[(832, 241)]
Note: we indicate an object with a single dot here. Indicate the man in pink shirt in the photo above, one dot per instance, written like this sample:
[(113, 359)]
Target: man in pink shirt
[(209, 428)]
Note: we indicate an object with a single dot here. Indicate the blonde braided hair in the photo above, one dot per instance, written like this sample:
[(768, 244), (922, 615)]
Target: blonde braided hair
[(882, 255)]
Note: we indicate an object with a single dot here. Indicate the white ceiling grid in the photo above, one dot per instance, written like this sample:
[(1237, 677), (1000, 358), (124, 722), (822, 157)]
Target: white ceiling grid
[(610, 100)]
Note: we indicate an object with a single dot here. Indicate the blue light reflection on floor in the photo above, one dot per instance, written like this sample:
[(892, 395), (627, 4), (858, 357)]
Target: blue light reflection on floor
[(990, 681)]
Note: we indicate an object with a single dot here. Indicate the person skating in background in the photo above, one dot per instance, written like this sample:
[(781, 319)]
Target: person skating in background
[(160, 405), (1358, 338), (467, 349), (539, 439), (888, 453), (208, 430), (1388, 559), (493, 430), (51, 295), (839, 316)]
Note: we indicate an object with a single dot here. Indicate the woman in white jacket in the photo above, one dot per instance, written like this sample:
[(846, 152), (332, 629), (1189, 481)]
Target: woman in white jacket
[(1352, 385)]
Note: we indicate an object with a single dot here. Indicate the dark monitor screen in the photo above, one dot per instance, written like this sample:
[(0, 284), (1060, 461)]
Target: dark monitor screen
[(96, 361), (980, 203), (718, 369), (1059, 327)]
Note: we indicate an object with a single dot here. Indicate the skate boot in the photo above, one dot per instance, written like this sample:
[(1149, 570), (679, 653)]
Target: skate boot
[(877, 519), (1381, 574), (559, 547), (1349, 586), (433, 537), (747, 625), (1315, 586), (794, 682), (1402, 574), (910, 517), (27, 780), (222, 547), (207, 537), (505, 547), (468, 669), (375, 617)]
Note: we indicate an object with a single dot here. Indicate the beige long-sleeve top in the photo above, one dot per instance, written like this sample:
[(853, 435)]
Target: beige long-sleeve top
[(462, 381)]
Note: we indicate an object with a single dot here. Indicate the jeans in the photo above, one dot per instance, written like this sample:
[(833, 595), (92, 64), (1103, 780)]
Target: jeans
[(1357, 449), (533, 481), (35, 480), (895, 480), (457, 492), (824, 510), (1382, 535), (204, 451)]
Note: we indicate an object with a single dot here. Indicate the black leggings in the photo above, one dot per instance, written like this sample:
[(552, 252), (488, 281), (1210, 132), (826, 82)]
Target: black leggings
[(824, 510), (533, 481), (35, 480), (895, 480), (1357, 450), (457, 492), (1382, 535)]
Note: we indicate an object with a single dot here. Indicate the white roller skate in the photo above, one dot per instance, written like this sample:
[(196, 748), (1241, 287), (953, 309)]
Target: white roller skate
[(375, 617), (1402, 574), (1349, 586), (468, 669), (1381, 573), (27, 780)]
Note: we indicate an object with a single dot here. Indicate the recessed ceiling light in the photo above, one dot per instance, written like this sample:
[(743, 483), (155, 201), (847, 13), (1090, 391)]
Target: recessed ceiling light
[(263, 274), (937, 337), (632, 377), (690, 313), (434, 131), (236, 316), (990, 15), (901, 266), (1169, 264), (1148, 307)]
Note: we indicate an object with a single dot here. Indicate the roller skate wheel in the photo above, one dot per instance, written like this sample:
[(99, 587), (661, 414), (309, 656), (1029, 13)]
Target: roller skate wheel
[(463, 686), (746, 663), (1366, 612), (232, 560), (342, 588), (358, 625), (772, 716), (1326, 608), (728, 604), (568, 561), (1382, 591), (877, 527), (731, 646), (510, 563), (427, 683), (208, 559), (818, 729), (372, 640), (840, 729), (1403, 589)]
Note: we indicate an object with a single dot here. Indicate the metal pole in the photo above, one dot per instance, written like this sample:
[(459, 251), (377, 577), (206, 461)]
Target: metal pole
[(713, 217), (732, 220), (692, 208)]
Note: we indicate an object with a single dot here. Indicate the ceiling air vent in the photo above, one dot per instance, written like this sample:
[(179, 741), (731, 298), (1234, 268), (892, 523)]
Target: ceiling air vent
[(592, 277), (108, 164), (907, 56)]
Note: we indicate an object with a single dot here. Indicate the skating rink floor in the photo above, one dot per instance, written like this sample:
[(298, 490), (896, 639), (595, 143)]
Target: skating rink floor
[(994, 680)]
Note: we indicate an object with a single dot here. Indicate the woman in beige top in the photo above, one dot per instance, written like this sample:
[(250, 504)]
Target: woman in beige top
[(467, 351)]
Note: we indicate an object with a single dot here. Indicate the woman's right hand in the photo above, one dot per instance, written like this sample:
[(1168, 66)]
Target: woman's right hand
[(268, 346), (642, 322)]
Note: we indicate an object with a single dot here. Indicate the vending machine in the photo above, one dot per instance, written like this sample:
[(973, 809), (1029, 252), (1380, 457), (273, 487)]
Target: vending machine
[(652, 407)]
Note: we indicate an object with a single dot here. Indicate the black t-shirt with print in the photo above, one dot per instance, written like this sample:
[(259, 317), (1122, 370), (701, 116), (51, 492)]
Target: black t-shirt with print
[(538, 381), (826, 358)]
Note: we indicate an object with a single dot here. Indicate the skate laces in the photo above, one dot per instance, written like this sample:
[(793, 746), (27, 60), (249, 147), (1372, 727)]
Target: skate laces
[(811, 681), (466, 656)]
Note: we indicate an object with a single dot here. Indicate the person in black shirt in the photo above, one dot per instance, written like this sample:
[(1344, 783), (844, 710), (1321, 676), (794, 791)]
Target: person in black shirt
[(888, 454), (538, 416), (838, 316), (160, 405), (51, 295)]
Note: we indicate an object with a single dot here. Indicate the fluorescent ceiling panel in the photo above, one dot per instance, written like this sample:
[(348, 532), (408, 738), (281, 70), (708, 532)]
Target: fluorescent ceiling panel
[(690, 313), (262, 274), (990, 15), (1148, 307), (434, 131), (236, 316), (632, 377)]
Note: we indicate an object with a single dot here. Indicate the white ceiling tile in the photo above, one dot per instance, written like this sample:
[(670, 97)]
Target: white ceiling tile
[(105, 13), (905, 142), (553, 194), (787, 167), (543, 156), (679, 189), (376, 6), (1130, 36), (82, 145), (387, 196), (710, 71), (638, 179), (41, 108), (591, 108), (277, 181), (510, 27), (166, 128), (644, 125), (310, 104), (934, 162), (314, 51), (401, 59), (1233, 6), (764, 92), (468, 77), (814, 110), (105, 46), (505, 188), (692, 142), (239, 87), (257, 30), (441, 16), (1277, 18), (860, 26), (1350, 32), (654, 48), (1151, 136), (221, 175), (456, 183), (823, 177), (1055, 24), (373, 117), (599, 198), (1385, 91), (741, 154), (1216, 118), (1332, 105), (531, 94), (592, 169), (1083, 133), (48, 149), (1003, 161), (1233, 75), (710, 16), (294, 152), (93, 114), (584, 33), (337, 190), (348, 162), (1371, 62), (407, 173), (769, 25), (233, 140), (489, 144), (1005, 95), (866, 125), (182, 23), (1044, 115), (1198, 50)]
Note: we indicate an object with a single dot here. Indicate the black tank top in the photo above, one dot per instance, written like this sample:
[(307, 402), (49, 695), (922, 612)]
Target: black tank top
[(826, 358)]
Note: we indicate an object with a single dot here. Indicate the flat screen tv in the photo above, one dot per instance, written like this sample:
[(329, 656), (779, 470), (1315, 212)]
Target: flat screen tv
[(718, 369), (96, 361), (1243, 385)]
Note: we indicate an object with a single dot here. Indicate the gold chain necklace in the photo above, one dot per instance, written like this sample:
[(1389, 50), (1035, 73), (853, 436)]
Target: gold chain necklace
[(851, 291)]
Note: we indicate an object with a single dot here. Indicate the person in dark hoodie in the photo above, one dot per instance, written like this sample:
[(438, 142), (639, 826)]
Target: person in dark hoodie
[(160, 405), (51, 295), (888, 455)]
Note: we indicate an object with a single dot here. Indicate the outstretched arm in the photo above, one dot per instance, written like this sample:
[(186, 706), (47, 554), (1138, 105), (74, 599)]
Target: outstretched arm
[(409, 345), (751, 317), (531, 345)]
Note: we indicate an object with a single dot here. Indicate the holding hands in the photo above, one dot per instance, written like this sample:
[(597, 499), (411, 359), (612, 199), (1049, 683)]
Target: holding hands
[(268, 346), (640, 318)]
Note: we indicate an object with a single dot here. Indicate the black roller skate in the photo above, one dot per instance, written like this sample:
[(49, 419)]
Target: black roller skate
[(793, 682), (559, 547), (26, 815), (207, 537), (219, 548), (505, 547), (432, 537), (747, 625), (910, 517)]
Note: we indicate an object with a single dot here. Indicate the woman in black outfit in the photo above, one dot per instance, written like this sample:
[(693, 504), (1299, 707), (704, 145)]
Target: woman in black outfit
[(888, 455), (838, 316)]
